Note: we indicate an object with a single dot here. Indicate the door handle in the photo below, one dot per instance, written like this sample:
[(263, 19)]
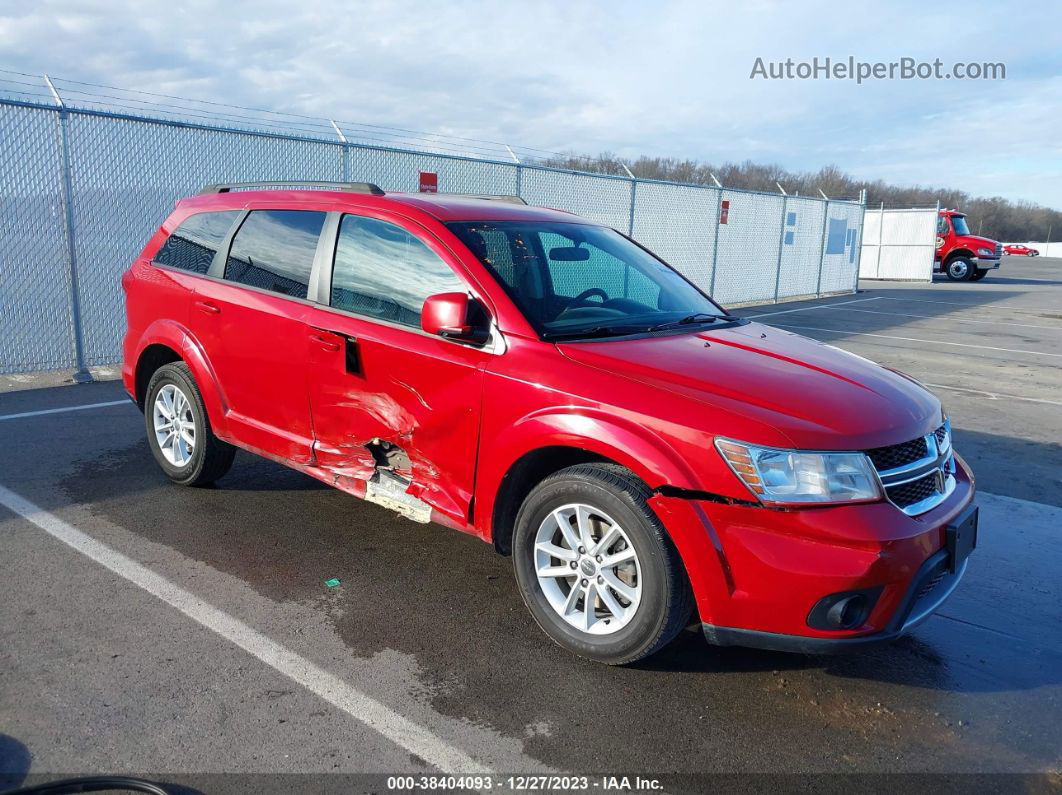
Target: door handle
[(209, 308), (325, 343)]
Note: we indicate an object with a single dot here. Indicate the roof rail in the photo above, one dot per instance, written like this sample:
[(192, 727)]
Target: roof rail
[(488, 197), (348, 187)]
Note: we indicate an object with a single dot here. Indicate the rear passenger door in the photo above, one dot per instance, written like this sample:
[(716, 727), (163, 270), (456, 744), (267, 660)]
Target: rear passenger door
[(251, 319), (384, 394)]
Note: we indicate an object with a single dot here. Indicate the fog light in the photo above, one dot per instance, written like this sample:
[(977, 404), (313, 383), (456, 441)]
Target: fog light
[(846, 610)]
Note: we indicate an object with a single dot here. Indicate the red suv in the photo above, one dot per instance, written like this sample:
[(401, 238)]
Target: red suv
[(549, 385)]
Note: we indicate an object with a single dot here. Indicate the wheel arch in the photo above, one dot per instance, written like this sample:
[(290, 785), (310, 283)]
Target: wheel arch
[(166, 341), (551, 444)]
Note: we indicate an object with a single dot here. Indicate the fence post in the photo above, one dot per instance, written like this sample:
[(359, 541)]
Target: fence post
[(81, 373), (822, 247), (715, 242), (630, 222), (881, 233), (346, 151), (781, 248), (519, 180)]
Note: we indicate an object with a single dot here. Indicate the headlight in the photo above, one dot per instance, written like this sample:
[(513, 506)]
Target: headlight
[(793, 476), (985, 252)]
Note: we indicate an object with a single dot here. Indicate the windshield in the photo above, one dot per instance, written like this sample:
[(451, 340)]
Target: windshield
[(574, 280), (958, 223)]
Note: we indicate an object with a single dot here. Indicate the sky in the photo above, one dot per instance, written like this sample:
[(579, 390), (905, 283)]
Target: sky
[(655, 78)]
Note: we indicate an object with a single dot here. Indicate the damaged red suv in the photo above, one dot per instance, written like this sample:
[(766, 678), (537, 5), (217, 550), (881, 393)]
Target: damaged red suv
[(549, 385)]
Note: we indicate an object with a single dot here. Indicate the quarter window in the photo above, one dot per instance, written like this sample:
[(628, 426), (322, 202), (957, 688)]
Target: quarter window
[(383, 271), (274, 251), (194, 243)]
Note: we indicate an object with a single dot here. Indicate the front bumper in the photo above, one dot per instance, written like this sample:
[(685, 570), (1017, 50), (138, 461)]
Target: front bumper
[(985, 263), (758, 573), (930, 588)]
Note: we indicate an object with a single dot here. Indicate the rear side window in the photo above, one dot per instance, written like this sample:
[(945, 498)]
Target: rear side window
[(274, 251), (385, 272), (194, 243)]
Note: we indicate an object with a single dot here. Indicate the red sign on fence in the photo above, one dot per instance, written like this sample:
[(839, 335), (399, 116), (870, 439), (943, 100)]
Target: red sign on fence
[(429, 182), (724, 212)]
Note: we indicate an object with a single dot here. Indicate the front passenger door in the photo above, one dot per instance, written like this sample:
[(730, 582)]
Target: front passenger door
[(378, 384)]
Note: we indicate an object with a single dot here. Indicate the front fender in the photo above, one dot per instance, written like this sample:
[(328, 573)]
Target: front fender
[(610, 436)]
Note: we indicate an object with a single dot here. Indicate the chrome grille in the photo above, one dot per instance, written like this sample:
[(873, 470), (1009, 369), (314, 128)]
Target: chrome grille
[(918, 474)]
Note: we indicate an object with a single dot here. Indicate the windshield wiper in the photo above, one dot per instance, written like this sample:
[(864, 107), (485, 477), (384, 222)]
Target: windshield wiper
[(594, 331), (697, 317)]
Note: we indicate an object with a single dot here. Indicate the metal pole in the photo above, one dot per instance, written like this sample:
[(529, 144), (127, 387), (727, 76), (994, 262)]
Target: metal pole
[(822, 246), (781, 248), (81, 373), (346, 151), (881, 232), (715, 243), (519, 180), (634, 194)]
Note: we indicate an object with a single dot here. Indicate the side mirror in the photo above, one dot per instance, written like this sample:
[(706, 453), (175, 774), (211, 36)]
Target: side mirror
[(455, 316)]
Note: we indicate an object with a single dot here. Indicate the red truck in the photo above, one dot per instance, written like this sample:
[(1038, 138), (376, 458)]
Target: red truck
[(963, 257)]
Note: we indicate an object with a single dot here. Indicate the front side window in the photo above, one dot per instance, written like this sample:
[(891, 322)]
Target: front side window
[(958, 223), (194, 243), (274, 251), (383, 271), (571, 279)]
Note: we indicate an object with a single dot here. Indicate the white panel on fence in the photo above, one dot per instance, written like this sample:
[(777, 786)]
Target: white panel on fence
[(899, 244), (840, 254), (678, 223), (802, 241), (602, 199), (747, 261)]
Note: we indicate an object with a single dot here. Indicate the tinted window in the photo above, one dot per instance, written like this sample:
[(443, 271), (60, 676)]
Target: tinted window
[(274, 251), (383, 271), (193, 244)]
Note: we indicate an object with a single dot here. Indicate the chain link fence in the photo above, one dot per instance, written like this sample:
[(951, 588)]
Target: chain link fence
[(82, 188)]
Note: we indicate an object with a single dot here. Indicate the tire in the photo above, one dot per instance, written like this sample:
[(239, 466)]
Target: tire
[(978, 275), (1035, 254), (959, 269), (652, 601), (198, 462)]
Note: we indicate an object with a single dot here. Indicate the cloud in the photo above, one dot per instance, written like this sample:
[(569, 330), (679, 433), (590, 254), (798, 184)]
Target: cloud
[(666, 78)]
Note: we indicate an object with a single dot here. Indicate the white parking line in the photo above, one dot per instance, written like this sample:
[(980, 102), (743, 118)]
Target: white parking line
[(83, 407), (809, 308), (994, 395), (948, 318), (848, 333), (971, 305), (377, 716)]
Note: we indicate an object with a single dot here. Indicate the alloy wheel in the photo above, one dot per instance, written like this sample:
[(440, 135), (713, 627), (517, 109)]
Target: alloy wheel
[(174, 425), (588, 569)]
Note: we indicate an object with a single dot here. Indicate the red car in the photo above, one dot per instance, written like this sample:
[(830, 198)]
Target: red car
[(547, 384), (1018, 250)]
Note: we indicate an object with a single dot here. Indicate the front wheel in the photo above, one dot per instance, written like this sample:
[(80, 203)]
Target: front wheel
[(960, 269), (980, 274), (595, 566), (178, 429)]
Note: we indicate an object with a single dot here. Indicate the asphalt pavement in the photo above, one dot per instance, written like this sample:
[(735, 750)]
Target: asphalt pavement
[(188, 634)]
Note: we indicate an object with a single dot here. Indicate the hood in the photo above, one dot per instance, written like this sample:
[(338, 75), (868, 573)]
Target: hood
[(977, 240), (820, 397)]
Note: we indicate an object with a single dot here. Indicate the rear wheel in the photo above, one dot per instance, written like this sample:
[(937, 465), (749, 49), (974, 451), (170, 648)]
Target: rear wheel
[(960, 269), (978, 275), (178, 429), (595, 566)]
